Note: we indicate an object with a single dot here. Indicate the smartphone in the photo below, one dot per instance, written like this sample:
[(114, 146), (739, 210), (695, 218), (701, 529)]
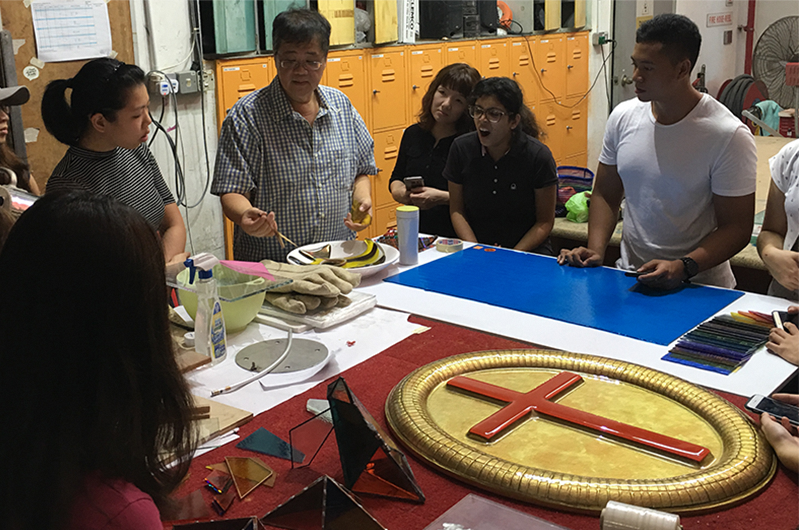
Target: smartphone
[(782, 317), (413, 182), (635, 274), (775, 408)]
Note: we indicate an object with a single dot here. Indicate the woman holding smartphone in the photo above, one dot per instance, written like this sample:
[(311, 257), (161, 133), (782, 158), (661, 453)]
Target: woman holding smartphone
[(502, 178), (426, 144)]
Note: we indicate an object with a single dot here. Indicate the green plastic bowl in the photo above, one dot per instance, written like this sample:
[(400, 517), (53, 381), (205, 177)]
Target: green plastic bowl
[(230, 284)]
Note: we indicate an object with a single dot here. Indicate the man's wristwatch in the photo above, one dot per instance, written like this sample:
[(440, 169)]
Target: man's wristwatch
[(690, 267)]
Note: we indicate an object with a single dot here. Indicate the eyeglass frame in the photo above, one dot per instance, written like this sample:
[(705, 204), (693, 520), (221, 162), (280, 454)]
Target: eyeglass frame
[(295, 62), (485, 112)]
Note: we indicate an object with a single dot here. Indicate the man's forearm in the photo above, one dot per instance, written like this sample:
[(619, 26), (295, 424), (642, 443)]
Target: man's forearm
[(234, 205), (719, 246), (362, 189), (602, 222)]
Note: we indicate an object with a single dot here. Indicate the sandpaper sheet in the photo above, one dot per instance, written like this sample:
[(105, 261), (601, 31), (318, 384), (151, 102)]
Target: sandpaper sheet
[(599, 297)]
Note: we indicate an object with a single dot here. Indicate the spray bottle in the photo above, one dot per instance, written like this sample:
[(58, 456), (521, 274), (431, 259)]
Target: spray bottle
[(209, 326)]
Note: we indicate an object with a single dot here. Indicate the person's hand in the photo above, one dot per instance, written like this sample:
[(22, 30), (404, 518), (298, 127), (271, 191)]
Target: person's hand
[(401, 194), (782, 436), (365, 206), (662, 274), (426, 198), (580, 257), (784, 342), (258, 223), (783, 266)]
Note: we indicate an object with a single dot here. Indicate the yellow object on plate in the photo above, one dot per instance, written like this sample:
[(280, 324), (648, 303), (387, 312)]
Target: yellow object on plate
[(362, 218)]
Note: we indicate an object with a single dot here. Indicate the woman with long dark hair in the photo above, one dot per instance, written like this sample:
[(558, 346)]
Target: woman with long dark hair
[(426, 144), (13, 170), (95, 400), (106, 124), (502, 178)]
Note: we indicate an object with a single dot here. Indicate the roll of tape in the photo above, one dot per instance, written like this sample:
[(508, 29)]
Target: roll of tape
[(449, 245), (619, 516)]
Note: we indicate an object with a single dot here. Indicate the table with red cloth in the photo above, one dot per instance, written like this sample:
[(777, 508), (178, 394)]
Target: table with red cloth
[(775, 508)]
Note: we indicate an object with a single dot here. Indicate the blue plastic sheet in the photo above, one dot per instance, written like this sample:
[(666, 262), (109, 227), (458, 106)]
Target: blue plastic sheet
[(598, 297)]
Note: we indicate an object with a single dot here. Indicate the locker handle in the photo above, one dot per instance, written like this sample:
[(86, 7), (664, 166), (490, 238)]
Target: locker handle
[(543, 70), (569, 127), (569, 66), (414, 87), (374, 91)]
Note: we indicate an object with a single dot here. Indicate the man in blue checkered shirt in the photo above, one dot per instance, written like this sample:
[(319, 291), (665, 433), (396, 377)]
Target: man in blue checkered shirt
[(295, 149)]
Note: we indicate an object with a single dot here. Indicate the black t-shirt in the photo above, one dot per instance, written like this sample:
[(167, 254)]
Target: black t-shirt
[(500, 197), (419, 157)]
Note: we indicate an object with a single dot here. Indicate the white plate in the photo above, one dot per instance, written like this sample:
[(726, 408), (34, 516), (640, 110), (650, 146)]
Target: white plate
[(347, 249)]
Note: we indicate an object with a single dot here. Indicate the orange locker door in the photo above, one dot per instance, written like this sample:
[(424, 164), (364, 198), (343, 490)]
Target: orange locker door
[(462, 52), (522, 69), (577, 82), (550, 120), (387, 146), (387, 88), (493, 58), (549, 60), (237, 78), (424, 62), (574, 126), (346, 72)]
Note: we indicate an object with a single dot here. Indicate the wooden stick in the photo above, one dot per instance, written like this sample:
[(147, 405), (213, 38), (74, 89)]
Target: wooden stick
[(287, 240)]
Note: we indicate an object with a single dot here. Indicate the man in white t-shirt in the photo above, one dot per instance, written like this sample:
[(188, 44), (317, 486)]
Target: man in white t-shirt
[(685, 165)]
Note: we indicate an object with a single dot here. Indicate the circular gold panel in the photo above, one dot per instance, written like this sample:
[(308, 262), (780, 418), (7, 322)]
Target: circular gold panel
[(553, 462)]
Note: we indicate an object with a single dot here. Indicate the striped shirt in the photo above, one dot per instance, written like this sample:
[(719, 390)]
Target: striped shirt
[(129, 175), (303, 172)]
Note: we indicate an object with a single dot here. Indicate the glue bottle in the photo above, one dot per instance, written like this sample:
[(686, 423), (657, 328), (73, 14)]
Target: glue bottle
[(209, 326)]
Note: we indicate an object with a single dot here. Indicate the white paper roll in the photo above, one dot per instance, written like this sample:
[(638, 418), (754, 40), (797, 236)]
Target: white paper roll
[(619, 516)]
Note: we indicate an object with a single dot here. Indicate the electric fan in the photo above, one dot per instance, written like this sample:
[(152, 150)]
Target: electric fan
[(776, 47)]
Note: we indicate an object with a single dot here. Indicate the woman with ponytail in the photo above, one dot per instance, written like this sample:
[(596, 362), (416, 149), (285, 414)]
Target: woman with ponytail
[(105, 120), (502, 178)]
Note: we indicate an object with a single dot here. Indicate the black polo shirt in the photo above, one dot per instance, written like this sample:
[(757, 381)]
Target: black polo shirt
[(419, 157), (500, 197)]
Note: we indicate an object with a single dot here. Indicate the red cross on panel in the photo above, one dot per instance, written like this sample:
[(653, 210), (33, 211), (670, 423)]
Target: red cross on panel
[(540, 399)]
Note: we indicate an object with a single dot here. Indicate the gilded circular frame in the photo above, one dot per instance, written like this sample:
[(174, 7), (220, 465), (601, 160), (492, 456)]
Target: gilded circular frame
[(745, 467)]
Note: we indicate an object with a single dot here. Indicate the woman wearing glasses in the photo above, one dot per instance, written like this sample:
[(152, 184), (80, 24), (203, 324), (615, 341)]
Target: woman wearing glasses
[(106, 124), (13, 170), (294, 154), (502, 178), (426, 144)]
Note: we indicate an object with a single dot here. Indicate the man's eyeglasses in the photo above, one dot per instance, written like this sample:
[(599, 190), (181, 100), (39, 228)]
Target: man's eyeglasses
[(291, 64), (492, 115)]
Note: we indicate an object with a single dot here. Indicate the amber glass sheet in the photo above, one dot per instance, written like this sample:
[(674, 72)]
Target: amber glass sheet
[(307, 438), (218, 481), (385, 477), (247, 473), (222, 503)]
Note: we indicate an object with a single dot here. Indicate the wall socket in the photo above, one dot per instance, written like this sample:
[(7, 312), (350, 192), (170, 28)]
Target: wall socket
[(599, 38)]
